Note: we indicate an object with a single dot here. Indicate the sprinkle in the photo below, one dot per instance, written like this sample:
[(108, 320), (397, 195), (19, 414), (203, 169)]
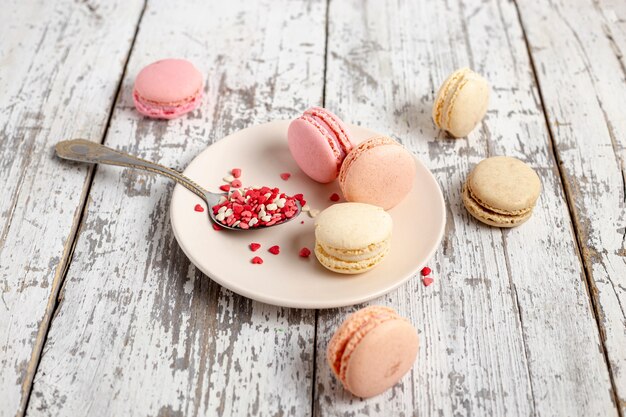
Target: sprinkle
[(254, 246), (228, 178), (314, 212), (236, 172), (425, 271), (334, 197), (427, 281), (257, 260), (274, 250), (302, 222), (306, 207), (235, 183), (216, 226), (198, 208), (285, 176), (305, 252), (225, 187)]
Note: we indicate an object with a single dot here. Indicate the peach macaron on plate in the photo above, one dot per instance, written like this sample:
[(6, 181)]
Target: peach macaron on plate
[(285, 278)]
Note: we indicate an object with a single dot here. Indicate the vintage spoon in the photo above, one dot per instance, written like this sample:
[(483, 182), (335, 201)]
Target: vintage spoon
[(82, 150)]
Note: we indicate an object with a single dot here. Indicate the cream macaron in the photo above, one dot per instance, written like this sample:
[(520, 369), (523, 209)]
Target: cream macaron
[(461, 102), (501, 191), (351, 238)]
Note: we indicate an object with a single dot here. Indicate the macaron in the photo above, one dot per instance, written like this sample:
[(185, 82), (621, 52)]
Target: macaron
[(501, 191), (168, 89), (378, 171), (319, 141), (461, 102), (372, 350), (351, 238)]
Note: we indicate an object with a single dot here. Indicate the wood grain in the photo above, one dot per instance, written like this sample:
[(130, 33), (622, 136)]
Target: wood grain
[(50, 88), (507, 328), (584, 91), (139, 330)]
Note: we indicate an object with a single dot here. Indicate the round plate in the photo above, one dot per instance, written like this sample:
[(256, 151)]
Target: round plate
[(287, 279)]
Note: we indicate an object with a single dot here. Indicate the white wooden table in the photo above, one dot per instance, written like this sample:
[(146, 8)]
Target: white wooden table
[(101, 314)]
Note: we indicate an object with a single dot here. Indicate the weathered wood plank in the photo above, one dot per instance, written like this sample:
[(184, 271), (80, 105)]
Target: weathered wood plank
[(507, 328), (139, 330), (60, 65), (584, 89)]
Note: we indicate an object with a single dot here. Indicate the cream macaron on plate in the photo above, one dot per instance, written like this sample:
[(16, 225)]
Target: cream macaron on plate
[(287, 279)]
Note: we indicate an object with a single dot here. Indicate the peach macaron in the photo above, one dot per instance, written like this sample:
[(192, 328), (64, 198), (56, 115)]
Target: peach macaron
[(378, 171), (372, 350), (167, 89)]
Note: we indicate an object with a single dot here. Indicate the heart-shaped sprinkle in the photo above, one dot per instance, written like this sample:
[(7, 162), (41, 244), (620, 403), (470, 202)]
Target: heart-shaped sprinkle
[(427, 281), (254, 246), (305, 252), (425, 271), (198, 208), (257, 260), (225, 187), (236, 183), (274, 250), (285, 176), (334, 197), (236, 172), (216, 227)]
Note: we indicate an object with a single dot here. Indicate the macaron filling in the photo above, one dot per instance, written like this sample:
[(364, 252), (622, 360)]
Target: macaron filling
[(145, 105), (334, 126)]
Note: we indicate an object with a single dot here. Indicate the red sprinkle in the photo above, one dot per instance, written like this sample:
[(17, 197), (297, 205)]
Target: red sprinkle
[(198, 208), (235, 183), (334, 197), (427, 281), (274, 250), (236, 172), (216, 226), (285, 176), (426, 271), (257, 260), (302, 222), (305, 252), (225, 187), (254, 246)]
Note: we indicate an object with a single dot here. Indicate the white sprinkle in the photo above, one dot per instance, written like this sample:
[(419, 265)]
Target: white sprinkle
[(267, 195), (253, 221), (220, 217), (313, 212), (228, 178), (281, 202), (222, 209), (236, 223), (262, 207), (228, 213), (266, 218), (271, 207), (306, 207), (262, 213)]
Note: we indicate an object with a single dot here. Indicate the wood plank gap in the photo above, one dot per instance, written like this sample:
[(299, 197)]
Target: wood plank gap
[(591, 291), (54, 300)]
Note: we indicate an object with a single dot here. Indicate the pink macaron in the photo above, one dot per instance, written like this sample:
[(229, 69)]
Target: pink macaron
[(319, 142), (378, 171), (372, 350), (168, 89)]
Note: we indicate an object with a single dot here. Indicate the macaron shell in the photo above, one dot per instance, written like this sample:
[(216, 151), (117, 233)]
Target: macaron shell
[(168, 81), (341, 337), (467, 107), (312, 152), (381, 175), (382, 357), (505, 185), (490, 217)]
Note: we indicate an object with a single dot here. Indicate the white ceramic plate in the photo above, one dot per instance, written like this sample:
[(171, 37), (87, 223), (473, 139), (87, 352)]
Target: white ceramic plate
[(287, 279)]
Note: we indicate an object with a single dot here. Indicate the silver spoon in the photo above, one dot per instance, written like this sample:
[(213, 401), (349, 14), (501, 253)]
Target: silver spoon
[(82, 150)]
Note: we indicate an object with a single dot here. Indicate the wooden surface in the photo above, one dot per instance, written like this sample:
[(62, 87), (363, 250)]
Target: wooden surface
[(101, 312)]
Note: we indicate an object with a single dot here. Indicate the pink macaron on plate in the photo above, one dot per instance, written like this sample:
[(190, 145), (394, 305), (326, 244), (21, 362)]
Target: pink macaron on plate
[(287, 279)]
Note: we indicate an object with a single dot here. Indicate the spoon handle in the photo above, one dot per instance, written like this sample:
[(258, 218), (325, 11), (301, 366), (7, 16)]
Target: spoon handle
[(82, 150)]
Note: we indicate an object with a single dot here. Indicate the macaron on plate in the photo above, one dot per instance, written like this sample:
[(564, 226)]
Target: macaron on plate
[(285, 278)]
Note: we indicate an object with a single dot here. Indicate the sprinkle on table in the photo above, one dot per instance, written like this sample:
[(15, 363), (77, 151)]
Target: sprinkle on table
[(334, 197), (198, 208), (285, 175)]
